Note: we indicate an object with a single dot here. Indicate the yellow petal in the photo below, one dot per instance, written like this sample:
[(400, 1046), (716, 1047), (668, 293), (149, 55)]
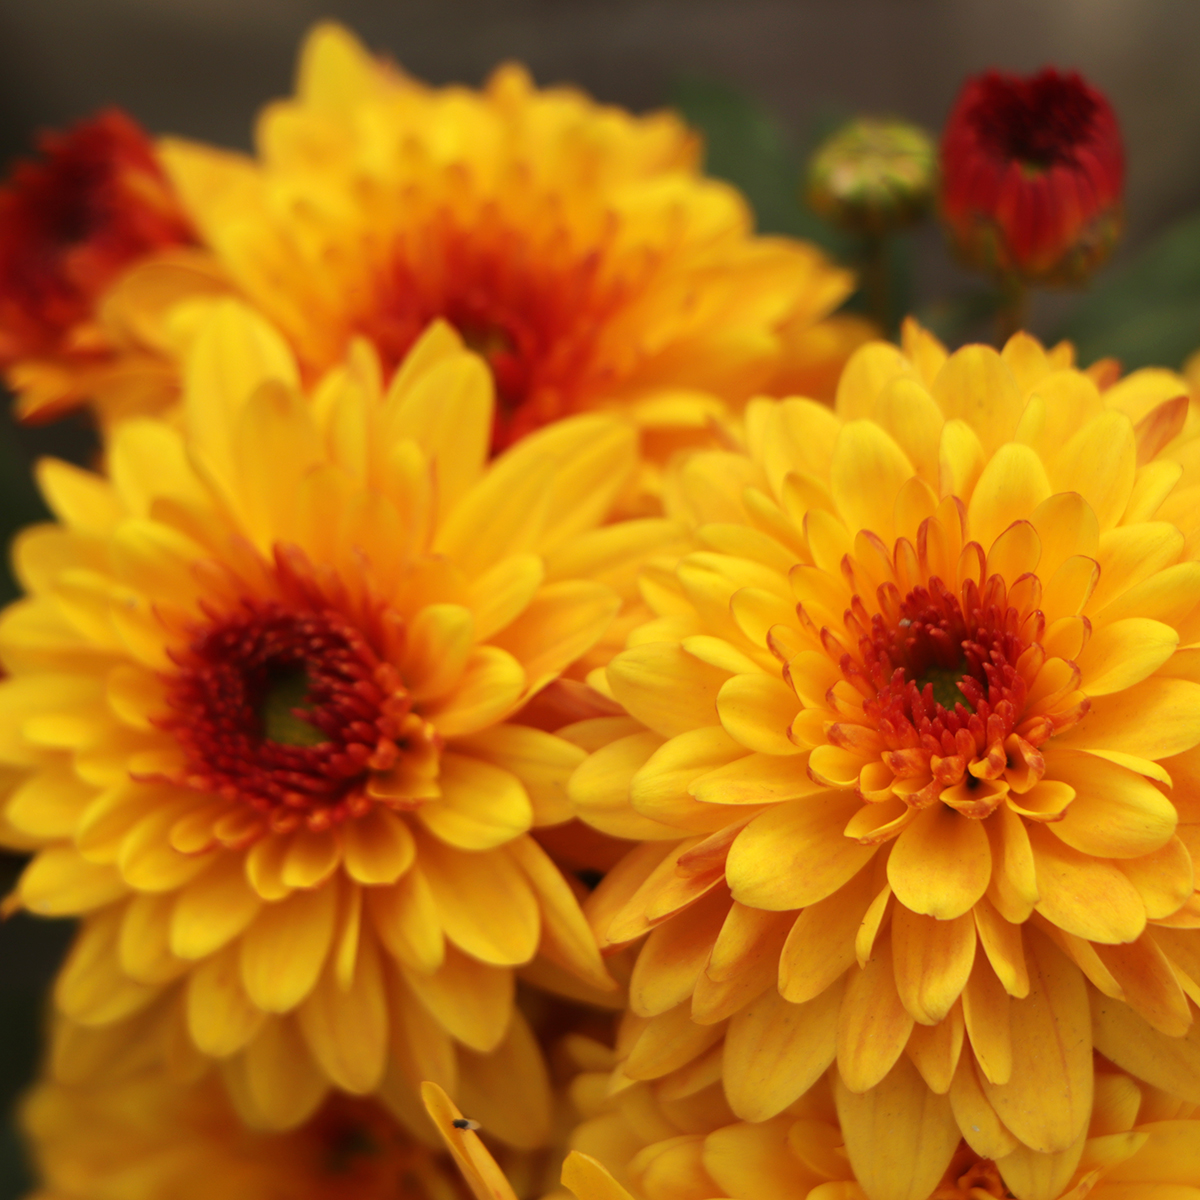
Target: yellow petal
[(982, 1130), (91, 987), (60, 882), (660, 789), (1127, 1039), (866, 475), (1011, 487), (471, 1000), (1028, 1173), (483, 901), (1048, 1098), (221, 1017), (667, 1042), (586, 1179), (508, 1090), (775, 1051), (869, 369), (542, 762), (566, 939), (346, 1028), (501, 594), (377, 848), (873, 1025), (1088, 897), (1116, 813), (900, 1136), (758, 710), (932, 961), (820, 944), (282, 1082), (1122, 653), (213, 909), (442, 400), (666, 688), (1153, 719), (235, 351), (1100, 463), (936, 1049), (283, 951), (976, 386), (599, 788), (438, 643), (560, 624), (986, 1013), (481, 805), (488, 691), (754, 1160), (795, 853), (941, 864)]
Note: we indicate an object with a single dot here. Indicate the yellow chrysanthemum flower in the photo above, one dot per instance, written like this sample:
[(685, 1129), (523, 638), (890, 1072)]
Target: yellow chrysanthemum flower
[(913, 747), (1139, 1142), (259, 709), (146, 1137), (575, 246)]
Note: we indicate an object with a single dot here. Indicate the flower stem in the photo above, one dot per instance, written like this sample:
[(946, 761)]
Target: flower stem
[(1012, 314), (876, 283)]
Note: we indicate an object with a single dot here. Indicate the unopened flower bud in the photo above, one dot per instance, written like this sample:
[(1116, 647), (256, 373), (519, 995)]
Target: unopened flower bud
[(1032, 176), (873, 175)]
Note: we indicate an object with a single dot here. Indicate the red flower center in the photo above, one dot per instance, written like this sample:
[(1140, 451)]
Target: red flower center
[(1041, 120), (944, 667), (526, 300), (289, 711)]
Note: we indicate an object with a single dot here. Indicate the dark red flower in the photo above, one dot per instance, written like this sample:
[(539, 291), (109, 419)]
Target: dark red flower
[(70, 222), (1032, 175)]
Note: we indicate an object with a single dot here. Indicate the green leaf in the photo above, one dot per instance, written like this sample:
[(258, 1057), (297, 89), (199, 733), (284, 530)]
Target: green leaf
[(1147, 312)]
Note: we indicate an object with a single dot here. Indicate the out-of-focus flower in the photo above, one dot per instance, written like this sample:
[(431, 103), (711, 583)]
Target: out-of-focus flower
[(259, 705), (146, 1137), (907, 731), (873, 175), (71, 222), (576, 247), (639, 1142), (1032, 176)]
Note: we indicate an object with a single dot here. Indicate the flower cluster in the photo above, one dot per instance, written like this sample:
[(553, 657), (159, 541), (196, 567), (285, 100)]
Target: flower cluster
[(520, 653)]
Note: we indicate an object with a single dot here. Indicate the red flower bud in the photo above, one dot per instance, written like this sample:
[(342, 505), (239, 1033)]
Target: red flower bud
[(70, 222), (1032, 175)]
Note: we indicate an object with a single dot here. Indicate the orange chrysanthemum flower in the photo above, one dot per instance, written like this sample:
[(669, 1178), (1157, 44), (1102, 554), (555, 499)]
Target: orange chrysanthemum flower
[(146, 1137), (260, 708), (576, 247), (913, 743), (684, 1144)]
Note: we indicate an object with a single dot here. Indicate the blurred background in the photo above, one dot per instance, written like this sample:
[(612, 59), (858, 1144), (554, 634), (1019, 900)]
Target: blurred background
[(764, 79)]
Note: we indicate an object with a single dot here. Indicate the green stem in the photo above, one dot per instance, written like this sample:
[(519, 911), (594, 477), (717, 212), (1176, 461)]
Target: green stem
[(876, 286), (1012, 315)]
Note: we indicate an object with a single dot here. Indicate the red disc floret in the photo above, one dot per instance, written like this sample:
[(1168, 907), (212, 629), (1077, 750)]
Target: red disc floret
[(347, 721), (1033, 171), (931, 630), (535, 325)]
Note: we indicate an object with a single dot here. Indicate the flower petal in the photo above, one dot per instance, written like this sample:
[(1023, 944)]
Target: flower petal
[(941, 864), (795, 853), (900, 1136), (1048, 1098), (481, 805), (775, 1051)]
